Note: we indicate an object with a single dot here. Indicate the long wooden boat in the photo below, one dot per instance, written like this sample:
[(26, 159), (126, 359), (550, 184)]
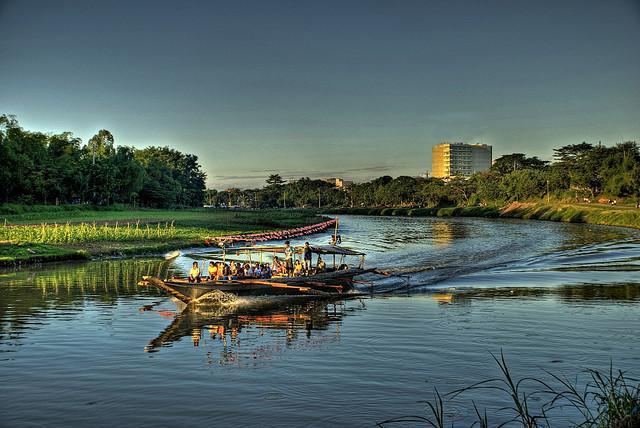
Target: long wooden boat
[(333, 281)]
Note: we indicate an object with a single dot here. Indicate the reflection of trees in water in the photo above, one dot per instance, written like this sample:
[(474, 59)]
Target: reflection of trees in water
[(263, 331), (579, 235), (621, 292), (440, 231), (110, 277), (566, 294), (28, 293)]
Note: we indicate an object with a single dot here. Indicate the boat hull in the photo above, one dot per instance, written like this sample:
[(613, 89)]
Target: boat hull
[(328, 283), (197, 290)]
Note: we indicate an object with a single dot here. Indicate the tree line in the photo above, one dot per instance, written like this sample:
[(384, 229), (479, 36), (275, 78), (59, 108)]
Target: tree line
[(578, 171), (36, 167)]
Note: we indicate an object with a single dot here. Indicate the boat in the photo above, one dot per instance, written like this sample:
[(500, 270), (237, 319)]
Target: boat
[(332, 281)]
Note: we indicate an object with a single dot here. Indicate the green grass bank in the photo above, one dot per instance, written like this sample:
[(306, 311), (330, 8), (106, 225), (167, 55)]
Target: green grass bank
[(623, 216), (37, 234)]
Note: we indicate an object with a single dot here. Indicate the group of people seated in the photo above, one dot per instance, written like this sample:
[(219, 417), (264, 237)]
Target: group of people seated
[(229, 271), (235, 270), (226, 271)]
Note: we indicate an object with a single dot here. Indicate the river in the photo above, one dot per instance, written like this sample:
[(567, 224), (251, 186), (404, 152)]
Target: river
[(82, 345)]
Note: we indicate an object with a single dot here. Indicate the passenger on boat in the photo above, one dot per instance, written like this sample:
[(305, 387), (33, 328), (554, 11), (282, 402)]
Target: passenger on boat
[(297, 269), (248, 271), (233, 269), (288, 258), (194, 273), (277, 266), (307, 257), (257, 270), (321, 265), (213, 271), (240, 271), (220, 272), (266, 272)]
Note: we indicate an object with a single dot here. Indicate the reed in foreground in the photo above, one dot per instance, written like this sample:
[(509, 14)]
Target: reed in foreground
[(607, 399)]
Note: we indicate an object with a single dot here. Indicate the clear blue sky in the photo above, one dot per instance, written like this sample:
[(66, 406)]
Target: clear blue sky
[(347, 88)]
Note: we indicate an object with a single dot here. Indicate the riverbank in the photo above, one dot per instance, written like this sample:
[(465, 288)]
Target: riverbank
[(561, 212), (43, 236)]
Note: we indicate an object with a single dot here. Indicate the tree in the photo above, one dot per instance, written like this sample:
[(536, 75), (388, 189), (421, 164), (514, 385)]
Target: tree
[(461, 190), (399, 191), (558, 177), (620, 170), (130, 176), (64, 167), (173, 178), (42, 168), (524, 184), (275, 180), (100, 145), (431, 193), (515, 161), (585, 172), (570, 153), (211, 197), (487, 187), (23, 161), (8, 157)]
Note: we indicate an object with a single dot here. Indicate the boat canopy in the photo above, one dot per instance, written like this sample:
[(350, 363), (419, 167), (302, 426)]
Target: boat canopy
[(317, 249)]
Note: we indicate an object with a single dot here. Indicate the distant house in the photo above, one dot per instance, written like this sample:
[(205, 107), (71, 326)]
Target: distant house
[(338, 182)]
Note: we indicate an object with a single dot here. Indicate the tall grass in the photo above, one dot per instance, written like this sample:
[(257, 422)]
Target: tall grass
[(86, 232), (70, 227), (608, 399)]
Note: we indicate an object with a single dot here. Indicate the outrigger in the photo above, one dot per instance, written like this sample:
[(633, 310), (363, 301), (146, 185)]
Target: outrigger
[(331, 281)]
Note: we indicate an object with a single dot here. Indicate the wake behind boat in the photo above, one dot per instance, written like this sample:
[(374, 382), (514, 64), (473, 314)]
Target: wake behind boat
[(316, 282)]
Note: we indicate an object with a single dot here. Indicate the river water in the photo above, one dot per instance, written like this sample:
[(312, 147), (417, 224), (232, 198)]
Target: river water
[(83, 345)]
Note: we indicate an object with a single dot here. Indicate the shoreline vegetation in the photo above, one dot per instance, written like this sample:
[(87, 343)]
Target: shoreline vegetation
[(37, 234), (43, 234), (607, 215), (93, 193)]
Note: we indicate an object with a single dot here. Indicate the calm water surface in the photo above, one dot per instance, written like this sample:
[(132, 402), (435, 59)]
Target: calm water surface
[(83, 345)]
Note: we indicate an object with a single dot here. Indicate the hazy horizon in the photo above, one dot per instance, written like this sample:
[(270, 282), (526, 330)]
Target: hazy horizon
[(354, 90)]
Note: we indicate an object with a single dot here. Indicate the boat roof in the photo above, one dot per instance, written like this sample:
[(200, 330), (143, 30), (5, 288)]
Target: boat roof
[(318, 249)]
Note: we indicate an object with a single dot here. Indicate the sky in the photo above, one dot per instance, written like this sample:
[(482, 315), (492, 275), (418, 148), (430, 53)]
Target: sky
[(354, 89)]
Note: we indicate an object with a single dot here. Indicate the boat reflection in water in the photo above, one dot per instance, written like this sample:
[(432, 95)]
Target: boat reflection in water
[(265, 329)]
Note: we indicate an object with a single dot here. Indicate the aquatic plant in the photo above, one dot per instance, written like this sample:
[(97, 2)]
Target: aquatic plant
[(608, 399)]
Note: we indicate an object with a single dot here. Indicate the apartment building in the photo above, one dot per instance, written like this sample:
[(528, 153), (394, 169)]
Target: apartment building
[(459, 159)]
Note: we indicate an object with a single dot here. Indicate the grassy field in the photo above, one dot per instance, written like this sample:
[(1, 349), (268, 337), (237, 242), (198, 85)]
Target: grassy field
[(625, 216), (41, 235)]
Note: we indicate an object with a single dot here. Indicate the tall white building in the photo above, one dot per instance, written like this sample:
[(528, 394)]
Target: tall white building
[(459, 159)]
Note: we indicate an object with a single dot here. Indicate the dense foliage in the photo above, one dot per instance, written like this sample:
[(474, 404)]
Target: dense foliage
[(579, 171), (42, 168), (50, 169)]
